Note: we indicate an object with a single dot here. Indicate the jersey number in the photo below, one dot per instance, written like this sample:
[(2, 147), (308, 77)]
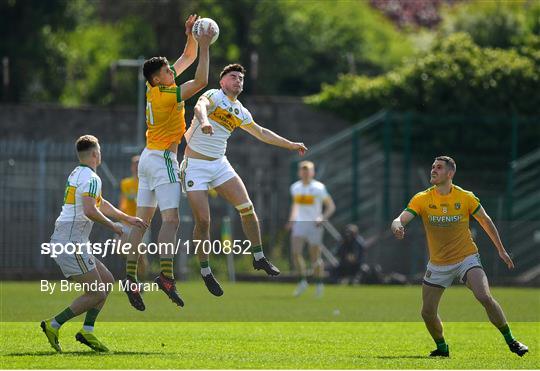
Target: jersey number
[(149, 114)]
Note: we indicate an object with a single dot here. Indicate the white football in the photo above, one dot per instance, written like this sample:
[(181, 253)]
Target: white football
[(204, 24)]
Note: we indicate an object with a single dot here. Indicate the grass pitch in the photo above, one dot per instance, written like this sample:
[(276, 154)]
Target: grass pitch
[(262, 326)]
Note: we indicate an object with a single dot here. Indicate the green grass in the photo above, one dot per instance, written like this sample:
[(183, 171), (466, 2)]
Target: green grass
[(246, 329)]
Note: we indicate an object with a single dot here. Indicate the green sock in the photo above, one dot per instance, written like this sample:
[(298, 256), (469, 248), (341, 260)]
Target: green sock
[(64, 316), (441, 345), (131, 269), (508, 337), (90, 318), (166, 265)]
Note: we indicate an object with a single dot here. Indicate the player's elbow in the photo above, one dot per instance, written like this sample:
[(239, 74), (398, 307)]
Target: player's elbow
[(90, 211)]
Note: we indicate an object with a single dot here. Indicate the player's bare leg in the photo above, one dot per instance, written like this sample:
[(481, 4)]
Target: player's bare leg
[(297, 246), (198, 201), (317, 265), (234, 191), (134, 239), (431, 297), (167, 243), (478, 283)]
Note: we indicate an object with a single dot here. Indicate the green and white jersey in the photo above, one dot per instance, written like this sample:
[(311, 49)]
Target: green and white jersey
[(225, 115), (72, 225)]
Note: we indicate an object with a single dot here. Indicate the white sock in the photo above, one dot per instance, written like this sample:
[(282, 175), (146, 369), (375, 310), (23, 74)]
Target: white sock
[(258, 255), (88, 328), (206, 271), (55, 324)]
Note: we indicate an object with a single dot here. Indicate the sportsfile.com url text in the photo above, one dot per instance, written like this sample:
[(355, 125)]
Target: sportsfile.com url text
[(119, 247)]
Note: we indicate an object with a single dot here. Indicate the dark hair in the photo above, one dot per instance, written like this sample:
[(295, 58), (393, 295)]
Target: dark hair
[(153, 65), (232, 67), (450, 163), (86, 142)]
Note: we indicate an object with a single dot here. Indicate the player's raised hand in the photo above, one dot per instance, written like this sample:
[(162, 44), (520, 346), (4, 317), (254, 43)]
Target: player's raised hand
[(137, 222), (117, 228), (507, 259), (300, 147), (190, 22)]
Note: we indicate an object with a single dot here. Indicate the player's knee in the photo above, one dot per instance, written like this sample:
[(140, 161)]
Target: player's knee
[(245, 209), (171, 219), (428, 314), (202, 222)]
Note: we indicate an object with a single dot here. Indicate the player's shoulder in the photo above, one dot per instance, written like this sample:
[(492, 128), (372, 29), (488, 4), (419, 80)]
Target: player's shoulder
[(296, 184), (213, 94), (317, 184), (425, 193), (464, 192)]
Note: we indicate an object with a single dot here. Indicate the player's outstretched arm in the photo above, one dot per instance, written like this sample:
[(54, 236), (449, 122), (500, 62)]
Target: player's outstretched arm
[(190, 50), (192, 87), (398, 224), (487, 225), (268, 136), (112, 212), (93, 213), (201, 114)]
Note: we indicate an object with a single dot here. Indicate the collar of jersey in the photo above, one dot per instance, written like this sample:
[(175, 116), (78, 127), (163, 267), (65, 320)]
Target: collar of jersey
[(83, 165), (230, 100), (448, 195)]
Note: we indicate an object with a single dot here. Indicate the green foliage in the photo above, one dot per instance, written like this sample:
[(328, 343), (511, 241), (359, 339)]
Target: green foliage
[(301, 44), (496, 24), (457, 76), (90, 51)]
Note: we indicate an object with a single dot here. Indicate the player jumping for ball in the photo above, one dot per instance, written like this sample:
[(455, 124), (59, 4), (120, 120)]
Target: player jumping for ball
[(445, 210), (217, 113), (158, 165)]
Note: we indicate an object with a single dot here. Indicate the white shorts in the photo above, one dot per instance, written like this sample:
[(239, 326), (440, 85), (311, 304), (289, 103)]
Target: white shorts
[(443, 275), (308, 231), (74, 264), (199, 175), (157, 168), (159, 175)]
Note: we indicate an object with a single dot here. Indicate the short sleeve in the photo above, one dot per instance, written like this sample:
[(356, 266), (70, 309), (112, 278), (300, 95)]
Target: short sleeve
[(92, 188), (323, 192), (247, 119), (473, 202), (291, 190), (415, 206), (211, 96)]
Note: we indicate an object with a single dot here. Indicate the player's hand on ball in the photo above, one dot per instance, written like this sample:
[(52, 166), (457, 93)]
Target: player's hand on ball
[(507, 259), (300, 147), (190, 22), (206, 36), (137, 222)]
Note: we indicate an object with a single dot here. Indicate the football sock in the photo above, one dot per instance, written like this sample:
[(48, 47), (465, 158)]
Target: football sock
[(205, 268), (63, 317), (131, 269), (505, 331), (166, 265), (258, 252), (90, 319), (441, 345)]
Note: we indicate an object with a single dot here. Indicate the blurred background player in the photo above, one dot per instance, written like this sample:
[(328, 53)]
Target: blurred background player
[(217, 113), (158, 165), (309, 196), (84, 205), (351, 254), (445, 210), (128, 205)]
